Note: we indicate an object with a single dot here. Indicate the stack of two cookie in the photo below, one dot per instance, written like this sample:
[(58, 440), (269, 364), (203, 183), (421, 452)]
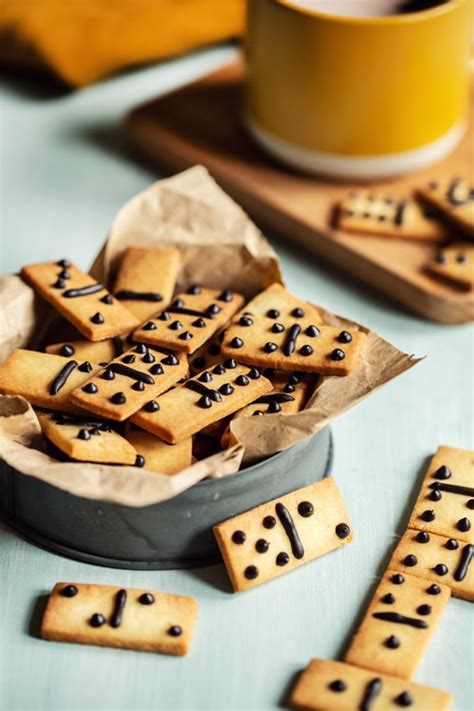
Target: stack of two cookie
[(140, 342)]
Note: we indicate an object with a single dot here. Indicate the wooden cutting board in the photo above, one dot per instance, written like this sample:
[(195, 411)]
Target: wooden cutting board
[(201, 123)]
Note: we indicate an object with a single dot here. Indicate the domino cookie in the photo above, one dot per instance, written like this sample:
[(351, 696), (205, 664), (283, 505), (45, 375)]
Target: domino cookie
[(86, 439), (289, 339), (129, 618), (438, 559), (374, 214), (94, 351), (192, 318), (326, 685), (455, 201), (283, 534), (80, 299), (130, 381), (206, 398), (146, 279), (207, 356), (158, 456), (446, 502), (454, 264), (276, 297), (43, 379), (398, 624)]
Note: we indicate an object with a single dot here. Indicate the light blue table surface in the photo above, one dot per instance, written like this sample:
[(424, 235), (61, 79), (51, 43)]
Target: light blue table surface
[(66, 170)]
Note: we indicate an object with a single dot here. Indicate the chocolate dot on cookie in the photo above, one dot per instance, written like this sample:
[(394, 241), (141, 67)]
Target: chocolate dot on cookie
[(422, 537), (58, 284), (236, 342), (150, 326), (470, 504), (392, 642), (270, 347), (273, 407), (204, 402), (199, 323), (107, 299), (97, 318), (443, 472), (118, 398), (83, 434), (428, 515), (305, 509), (410, 560), (245, 321), (338, 354), (213, 309), (388, 599), (64, 274), (295, 378), (205, 377), (67, 350), (262, 545), (151, 406), (130, 358), (461, 258), (251, 572), (441, 569), (282, 559), (165, 316), (177, 304), (226, 296), (298, 313), (65, 263), (85, 367), (337, 685), (269, 521), (194, 289), (139, 461), (306, 351), (69, 591), (185, 336), (175, 631), (289, 388), (90, 388), (148, 358), (175, 326), (257, 413), (277, 328), (139, 386), (344, 337), (463, 525), (108, 375), (451, 544), (440, 258), (157, 369), (342, 530), (242, 380), (397, 579), (231, 363), (141, 349), (435, 495), (219, 369), (433, 589), (226, 389), (312, 331), (404, 699), (423, 610), (97, 620), (273, 313), (170, 359), (146, 599)]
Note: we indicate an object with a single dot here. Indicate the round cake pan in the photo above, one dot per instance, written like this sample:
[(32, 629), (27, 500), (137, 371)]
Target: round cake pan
[(173, 534)]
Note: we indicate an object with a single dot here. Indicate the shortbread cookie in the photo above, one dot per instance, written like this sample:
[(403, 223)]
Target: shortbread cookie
[(454, 199), (206, 398), (326, 685), (158, 456), (80, 299), (134, 379), (454, 264), (375, 214), (94, 351), (129, 618), (289, 340), (44, 380), (398, 625), (146, 279), (192, 319), (436, 558), (283, 534), (446, 502), (276, 297), (87, 439)]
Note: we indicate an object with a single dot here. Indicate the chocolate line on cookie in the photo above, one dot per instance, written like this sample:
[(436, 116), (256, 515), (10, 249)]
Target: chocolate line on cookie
[(203, 390), (400, 619), (452, 488), (83, 291), (129, 295), (62, 377), (400, 214), (290, 530), (466, 557), (275, 397), (290, 344), (121, 369), (372, 691), (120, 602), (189, 312)]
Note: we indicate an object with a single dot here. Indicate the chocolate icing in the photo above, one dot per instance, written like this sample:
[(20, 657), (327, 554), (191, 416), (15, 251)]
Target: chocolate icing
[(61, 378), (128, 295), (290, 530), (83, 291)]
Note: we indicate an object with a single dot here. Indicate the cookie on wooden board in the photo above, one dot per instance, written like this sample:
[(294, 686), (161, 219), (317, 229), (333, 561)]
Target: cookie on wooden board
[(146, 279), (327, 685), (128, 618), (80, 299), (454, 198)]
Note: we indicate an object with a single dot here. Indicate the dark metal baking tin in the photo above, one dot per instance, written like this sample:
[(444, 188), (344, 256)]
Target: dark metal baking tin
[(173, 534)]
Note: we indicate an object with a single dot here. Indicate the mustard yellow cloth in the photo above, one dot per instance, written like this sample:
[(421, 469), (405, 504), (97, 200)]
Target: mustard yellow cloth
[(84, 40)]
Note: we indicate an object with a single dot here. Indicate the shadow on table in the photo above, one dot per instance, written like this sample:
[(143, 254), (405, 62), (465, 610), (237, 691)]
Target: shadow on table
[(33, 84), (33, 622), (214, 576)]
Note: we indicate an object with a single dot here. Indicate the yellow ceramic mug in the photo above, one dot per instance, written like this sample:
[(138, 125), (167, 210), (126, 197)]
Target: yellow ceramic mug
[(359, 97)]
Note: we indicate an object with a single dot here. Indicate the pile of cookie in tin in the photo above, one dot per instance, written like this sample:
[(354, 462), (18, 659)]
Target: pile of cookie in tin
[(158, 374), (441, 213)]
